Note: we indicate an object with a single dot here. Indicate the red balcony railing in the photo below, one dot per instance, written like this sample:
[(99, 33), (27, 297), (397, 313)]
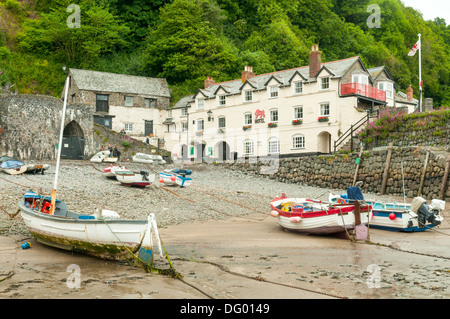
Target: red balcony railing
[(364, 90)]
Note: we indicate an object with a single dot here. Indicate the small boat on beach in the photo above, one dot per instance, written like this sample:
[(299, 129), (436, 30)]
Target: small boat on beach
[(130, 178), (36, 168), (148, 159), (110, 170), (316, 217), (13, 167), (175, 176), (402, 217), (103, 235)]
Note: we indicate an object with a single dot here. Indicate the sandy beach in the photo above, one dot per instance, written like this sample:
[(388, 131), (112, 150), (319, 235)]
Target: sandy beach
[(220, 237)]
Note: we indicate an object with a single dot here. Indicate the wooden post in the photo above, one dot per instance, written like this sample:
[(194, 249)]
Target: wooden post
[(386, 168), (357, 165), (423, 173), (357, 213), (445, 178)]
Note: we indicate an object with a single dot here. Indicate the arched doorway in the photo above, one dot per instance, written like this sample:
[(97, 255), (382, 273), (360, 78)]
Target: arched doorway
[(324, 142), (200, 151), (184, 152), (223, 151), (73, 142)]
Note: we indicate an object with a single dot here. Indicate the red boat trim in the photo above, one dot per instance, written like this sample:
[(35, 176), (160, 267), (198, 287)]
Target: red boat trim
[(333, 211)]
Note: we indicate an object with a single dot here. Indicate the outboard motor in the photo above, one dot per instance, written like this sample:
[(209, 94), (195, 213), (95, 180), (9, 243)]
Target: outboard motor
[(421, 208), (144, 175)]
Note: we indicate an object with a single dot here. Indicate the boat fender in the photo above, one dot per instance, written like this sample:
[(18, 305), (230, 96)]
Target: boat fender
[(392, 216), (173, 178), (295, 219), (341, 201), (274, 213), (46, 208)]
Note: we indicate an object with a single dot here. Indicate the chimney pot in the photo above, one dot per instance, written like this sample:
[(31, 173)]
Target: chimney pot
[(209, 81), (247, 73)]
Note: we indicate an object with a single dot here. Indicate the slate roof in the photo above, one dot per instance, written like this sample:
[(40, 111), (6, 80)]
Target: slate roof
[(119, 83), (259, 82)]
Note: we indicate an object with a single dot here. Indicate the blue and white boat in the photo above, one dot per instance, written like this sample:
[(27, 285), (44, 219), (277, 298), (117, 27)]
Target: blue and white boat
[(175, 176), (415, 217), (13, 167)]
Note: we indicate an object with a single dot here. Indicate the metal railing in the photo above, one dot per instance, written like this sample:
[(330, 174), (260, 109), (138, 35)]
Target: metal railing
[(364, 90), (353, 128)]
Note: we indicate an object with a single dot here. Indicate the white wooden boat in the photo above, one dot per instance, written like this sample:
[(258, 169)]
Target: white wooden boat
[(37, 168), (315, 217), (102, 235), (110, 170), (98, 158), (401, 217), (148, 159), (13, 167), (175, 177), (130, 178), (109, 159)]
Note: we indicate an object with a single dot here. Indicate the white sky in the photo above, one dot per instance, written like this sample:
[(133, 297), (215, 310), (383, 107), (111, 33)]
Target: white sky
[(431, 9)]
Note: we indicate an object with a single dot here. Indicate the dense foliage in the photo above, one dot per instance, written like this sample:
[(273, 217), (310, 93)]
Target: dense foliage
[(187, 40)]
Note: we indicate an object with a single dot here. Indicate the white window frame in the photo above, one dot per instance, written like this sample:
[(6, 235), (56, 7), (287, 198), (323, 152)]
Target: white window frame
[(149, 102), (184, 111), (128, 127), (246, 122), (322, 108), (248, 147), (184, 126), (200, 104), (273, 115), (298, 141), (200, 125), (296, 117), (248, 96), (222, 100), (128, 100), (169, 113), (219, 120), (273, 91), (298, 87), (273, 145), (388, 87), (325, 81), (171, 128), (360, 78)]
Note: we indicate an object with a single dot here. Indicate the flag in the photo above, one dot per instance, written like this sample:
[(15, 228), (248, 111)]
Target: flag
[(414, 49)]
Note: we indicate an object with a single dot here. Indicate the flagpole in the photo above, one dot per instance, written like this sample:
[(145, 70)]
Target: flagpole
[(420, 74)]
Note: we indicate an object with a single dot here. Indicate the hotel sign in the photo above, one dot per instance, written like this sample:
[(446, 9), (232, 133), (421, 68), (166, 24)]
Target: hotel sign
[(259, 116)]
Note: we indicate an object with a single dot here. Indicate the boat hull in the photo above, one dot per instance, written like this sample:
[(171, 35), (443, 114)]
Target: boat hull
[(106, 239), (110, 171), (15, 171), (320, 220), (129, 178), (37, 168), (172, 179)]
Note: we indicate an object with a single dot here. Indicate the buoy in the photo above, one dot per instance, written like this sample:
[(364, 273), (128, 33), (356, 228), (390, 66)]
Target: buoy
[(161, 180), (392, 216), (173, 178), (274, 213), (295, 219)]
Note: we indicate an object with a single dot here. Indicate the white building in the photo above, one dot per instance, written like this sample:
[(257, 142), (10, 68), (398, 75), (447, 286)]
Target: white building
[(285, 113)]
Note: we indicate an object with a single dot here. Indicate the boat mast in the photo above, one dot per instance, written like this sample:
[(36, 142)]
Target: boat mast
[(55, 182)]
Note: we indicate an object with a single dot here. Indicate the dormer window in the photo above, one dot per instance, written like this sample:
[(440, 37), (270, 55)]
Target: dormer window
[(324, 83), (222, 100), (273, 91), (248, 96), (298, 87)]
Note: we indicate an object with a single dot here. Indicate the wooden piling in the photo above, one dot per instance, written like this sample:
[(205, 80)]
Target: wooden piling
[(423, 173), (444, 179), (386, 168)]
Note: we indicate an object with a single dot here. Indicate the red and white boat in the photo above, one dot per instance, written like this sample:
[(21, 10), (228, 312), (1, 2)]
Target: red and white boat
[(315, 217), (110, 170)]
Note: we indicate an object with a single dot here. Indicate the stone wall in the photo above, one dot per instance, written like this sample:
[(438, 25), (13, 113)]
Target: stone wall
[(337, 171), (30, 125)]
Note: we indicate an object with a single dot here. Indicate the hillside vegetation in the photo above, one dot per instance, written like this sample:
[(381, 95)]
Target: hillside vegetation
[(187, 40)]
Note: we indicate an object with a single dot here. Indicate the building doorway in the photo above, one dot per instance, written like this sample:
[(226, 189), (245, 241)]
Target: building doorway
[(73, 142), (223, 151), (324, 143)]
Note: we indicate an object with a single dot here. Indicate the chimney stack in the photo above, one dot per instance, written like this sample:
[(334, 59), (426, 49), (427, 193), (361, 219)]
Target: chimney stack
[(315, 60), (247, 73), (409, 93), (209, 81)]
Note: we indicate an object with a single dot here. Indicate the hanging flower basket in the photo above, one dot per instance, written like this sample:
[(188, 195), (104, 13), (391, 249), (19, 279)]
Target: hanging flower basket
[(323, 119), (246, 127), (297, 122), (272, 125)]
